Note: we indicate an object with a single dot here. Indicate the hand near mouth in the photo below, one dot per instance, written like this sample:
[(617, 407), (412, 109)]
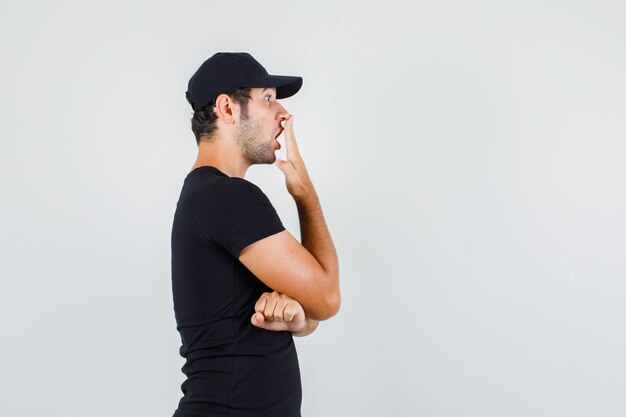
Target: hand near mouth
[(296, 176)]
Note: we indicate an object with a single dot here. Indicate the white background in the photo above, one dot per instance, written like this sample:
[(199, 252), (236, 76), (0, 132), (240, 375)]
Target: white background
[(470, 161)]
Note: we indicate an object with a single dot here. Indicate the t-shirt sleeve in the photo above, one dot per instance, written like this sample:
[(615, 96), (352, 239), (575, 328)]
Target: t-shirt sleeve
[(234, 213)]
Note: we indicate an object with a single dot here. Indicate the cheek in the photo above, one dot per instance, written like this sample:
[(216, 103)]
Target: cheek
[(270, 122)]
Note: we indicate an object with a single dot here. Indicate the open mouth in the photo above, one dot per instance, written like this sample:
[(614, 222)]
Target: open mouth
[(277, 144)]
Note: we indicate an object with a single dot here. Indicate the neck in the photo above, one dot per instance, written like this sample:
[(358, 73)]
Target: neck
[(223, 155)]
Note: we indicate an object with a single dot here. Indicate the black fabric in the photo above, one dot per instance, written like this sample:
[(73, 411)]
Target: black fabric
[(233, 368)]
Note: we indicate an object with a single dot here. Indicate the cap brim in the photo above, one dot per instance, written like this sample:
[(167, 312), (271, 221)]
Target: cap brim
[(286, 86)]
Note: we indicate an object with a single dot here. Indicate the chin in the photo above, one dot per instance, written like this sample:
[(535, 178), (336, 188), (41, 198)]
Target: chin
[(265, 154), (271, 156), (270, 159)]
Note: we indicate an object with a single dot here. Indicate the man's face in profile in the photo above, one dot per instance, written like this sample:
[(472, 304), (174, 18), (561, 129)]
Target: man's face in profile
[(260, 125)]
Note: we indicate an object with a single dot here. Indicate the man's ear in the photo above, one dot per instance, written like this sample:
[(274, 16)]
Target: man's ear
[(224, 108)]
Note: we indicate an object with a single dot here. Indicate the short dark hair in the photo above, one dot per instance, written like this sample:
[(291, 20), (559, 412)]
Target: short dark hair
[(203, 122)]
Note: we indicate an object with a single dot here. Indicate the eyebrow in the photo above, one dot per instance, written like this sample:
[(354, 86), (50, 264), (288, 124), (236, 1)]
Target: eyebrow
[(268, 88)]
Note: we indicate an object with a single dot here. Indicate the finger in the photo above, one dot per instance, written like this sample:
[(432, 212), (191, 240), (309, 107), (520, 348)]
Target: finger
[(279, 312), (261, 302), (292, 310), (290, 140), (269, 308), (287, 134)]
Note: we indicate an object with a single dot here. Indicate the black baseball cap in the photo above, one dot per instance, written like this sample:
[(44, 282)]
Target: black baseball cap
[(227, 71)]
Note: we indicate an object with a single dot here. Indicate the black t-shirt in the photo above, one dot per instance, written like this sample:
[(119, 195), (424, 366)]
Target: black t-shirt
[(233, 368)]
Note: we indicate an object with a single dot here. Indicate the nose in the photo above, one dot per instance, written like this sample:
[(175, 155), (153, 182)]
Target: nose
[(281, 114)]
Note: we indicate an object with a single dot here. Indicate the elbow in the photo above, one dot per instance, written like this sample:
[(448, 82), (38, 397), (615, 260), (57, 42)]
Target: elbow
[(330, 308), (333, 300), (333, 297), (327, 301), (334, 303)]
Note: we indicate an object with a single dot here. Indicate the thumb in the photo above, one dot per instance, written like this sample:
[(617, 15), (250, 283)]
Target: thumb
[(285, 166), (258, 320)]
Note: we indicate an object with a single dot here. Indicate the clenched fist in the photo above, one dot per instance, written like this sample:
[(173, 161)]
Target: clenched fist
[(278, 312)]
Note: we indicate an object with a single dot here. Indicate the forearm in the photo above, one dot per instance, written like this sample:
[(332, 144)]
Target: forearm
[(309, 328), (314, 234), (316, 237)]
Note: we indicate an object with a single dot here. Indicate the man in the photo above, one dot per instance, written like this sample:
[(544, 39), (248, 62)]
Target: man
[(242, 284)]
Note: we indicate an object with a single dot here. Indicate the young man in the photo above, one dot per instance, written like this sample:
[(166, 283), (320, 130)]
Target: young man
[(242, 284)]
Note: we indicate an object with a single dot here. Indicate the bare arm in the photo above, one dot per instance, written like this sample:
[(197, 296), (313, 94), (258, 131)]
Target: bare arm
[(307, 272), (315, 235)]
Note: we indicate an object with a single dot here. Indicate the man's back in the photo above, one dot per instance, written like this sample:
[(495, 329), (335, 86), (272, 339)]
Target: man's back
[(233, 368)]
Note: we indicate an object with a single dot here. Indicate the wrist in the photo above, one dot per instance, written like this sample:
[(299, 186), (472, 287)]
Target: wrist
[(308, 198), (309, 326)]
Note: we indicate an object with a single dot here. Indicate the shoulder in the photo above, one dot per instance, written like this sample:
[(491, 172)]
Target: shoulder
[(235, 213), (233, 190), (236, 186)]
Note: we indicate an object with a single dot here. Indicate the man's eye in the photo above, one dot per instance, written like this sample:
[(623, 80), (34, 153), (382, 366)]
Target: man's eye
[(268, 97)]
